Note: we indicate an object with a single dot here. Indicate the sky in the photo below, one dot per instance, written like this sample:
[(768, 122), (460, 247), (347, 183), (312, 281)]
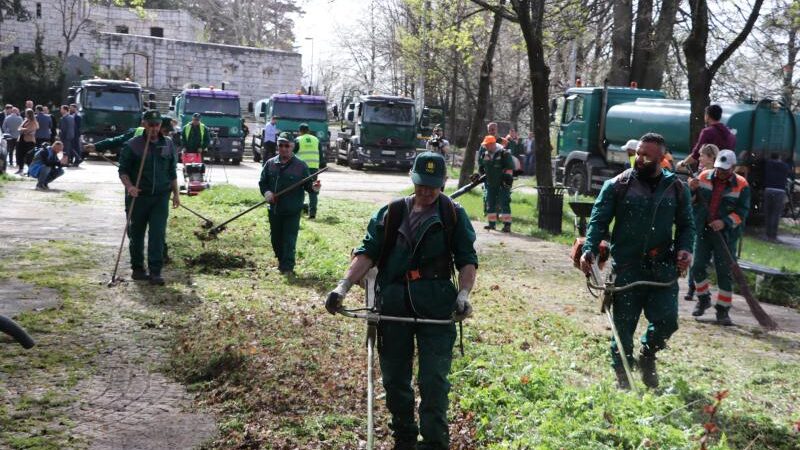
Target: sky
[(322, 20)]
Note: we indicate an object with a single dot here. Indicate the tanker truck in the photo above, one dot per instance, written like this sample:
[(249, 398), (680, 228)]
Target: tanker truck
[(597, 121)]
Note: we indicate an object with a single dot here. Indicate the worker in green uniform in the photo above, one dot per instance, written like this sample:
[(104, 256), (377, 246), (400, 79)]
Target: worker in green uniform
[(498, 165), (308, 148), (415, 242), (194, 136), (278, 173), (645, 203), (120, 140), (723, 203), (151, 208)]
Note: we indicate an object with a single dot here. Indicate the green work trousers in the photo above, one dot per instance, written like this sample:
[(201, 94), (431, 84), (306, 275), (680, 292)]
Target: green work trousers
[(313, 198), (435, 349), (283, 235), (660, 307), (497, 200), (150, 213), (705, 246)]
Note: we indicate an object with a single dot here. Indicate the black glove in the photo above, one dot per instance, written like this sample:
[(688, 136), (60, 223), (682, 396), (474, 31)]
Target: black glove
[(334, 302), (508, 180)]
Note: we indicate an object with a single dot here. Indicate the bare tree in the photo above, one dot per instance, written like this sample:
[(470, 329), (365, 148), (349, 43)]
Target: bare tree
[(476, 125), (695, 47), (75, 19), (621, 44)]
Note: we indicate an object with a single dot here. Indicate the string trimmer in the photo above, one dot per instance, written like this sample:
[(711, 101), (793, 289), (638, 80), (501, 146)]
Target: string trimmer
[(608, 289), (207, 223), (213, 232)]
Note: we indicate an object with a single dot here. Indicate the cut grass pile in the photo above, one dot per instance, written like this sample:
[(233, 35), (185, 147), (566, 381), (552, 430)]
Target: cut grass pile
[(282, 373)]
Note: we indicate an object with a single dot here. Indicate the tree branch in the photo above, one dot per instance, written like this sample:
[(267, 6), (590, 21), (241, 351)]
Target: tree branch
[(504, 13), (740, 38)]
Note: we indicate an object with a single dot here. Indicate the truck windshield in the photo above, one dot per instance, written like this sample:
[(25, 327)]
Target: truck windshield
[(112, 100), (389, 114), (212, 106), (303, 111)]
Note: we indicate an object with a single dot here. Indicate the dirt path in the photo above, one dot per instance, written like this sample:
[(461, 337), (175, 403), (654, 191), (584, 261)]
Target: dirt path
[(124, 402)]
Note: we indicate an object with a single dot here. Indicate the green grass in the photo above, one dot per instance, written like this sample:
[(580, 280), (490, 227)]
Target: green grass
[(771, 254), (76, 196), (282, 373), (38, 420)]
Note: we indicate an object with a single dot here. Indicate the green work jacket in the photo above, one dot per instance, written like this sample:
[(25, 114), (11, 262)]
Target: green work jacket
[(494, 165), (427, 298), (159, 166), (643, 238), (118, 141), (516, 147), (192, 140), (276, 176), (734, 206)]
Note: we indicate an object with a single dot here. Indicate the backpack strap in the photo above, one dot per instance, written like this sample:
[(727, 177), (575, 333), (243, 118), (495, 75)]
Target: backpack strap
[(449, 216), (622, 185), (391, 228)]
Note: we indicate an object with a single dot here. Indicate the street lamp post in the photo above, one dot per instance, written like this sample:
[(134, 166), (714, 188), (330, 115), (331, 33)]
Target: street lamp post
[(311, 77)]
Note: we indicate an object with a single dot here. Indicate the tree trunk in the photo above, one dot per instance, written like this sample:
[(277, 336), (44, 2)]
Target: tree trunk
[(700, 74), (699, 83), (620, 73), (476, 125), (642, 44), (531, 16), (788, 69), (653, 77)]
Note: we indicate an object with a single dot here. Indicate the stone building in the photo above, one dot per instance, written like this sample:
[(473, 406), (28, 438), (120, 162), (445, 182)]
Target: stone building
[(161, 49)]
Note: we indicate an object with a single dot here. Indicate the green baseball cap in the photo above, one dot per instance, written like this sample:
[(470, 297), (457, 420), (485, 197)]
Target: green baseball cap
[(429, 170), (166, 123), (152, 116), (286, 137)]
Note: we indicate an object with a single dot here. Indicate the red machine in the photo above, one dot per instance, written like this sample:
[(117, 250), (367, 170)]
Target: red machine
[(194, 173)]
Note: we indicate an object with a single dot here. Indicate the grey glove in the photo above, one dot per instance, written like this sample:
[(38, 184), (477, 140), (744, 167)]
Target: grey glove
[(335, 298), (463, 307)]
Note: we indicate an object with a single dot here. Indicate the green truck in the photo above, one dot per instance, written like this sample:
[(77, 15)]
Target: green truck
[(290, 110), (596, 122), (108, 108), (380, 131), (221, 113)]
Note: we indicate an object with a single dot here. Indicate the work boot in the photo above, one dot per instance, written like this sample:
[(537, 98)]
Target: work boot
[(405, 445), (507, 227), (689, 295), (156, 279), (722, 315), (490, 226), (647, 365), (139, 274), (703, 303), (622, 378)]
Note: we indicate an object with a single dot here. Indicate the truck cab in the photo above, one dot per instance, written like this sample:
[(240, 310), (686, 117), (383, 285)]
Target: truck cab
[(221, 112), (108, 108), (290, 110), (381, 132), (583, 162)]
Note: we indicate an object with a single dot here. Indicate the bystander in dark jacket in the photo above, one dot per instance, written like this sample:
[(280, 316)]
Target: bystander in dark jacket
[(776, 172)]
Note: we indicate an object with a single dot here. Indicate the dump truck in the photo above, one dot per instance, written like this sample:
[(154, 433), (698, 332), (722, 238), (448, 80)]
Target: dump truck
[(597, 121), (221, 112), (108, 108), (290, 110), (380, 131)]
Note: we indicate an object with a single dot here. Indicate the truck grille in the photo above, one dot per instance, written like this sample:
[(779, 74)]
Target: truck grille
[(221, 131)]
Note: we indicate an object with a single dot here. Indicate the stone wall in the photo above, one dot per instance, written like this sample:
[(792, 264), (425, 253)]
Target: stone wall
[(162, 64), (170, 64)]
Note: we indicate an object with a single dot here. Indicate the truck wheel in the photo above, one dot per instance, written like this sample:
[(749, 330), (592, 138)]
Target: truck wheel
[(576, 178), (236, 161), (351, 161)]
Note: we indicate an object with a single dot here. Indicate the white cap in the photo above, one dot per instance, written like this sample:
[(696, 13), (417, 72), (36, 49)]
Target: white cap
[(632, 144), (725, 159)]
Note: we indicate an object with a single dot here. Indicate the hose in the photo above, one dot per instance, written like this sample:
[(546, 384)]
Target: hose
[(12, 329)]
